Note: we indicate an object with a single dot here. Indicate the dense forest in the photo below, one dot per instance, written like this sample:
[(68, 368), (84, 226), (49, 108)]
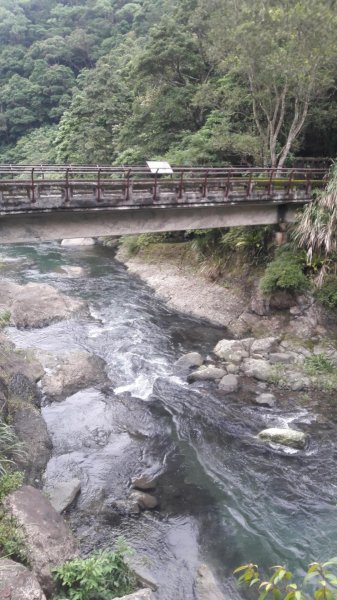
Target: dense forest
[(193, 81)]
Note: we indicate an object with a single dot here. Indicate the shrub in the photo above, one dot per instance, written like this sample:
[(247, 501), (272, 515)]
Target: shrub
[(327, 294), (253, 242), (135, 243), (102, 576), (285, 273)]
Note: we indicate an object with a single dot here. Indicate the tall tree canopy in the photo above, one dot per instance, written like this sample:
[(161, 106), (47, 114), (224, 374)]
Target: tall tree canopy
[(195, 81)]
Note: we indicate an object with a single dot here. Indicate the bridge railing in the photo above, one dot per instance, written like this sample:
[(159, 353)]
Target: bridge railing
[(74, 186)]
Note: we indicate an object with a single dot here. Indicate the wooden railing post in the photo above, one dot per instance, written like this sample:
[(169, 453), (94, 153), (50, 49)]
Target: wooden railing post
[(32, 199)]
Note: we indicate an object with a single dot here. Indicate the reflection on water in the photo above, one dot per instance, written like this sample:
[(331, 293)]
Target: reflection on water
[(224, 498)]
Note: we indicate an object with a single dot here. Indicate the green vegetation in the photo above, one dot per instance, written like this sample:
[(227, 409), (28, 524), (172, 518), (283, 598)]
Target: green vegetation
[(317, 364), (101, 576), (12, 541), (133, 244), (5, 317), (327, 293), (285, 273), (319, 583), (191, 80), (10, 448)]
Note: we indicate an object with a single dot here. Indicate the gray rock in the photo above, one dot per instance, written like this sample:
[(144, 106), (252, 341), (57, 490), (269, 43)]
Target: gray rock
[(122, 507), (192, 359), (71, 271), (145, 594), (50, 543), (229, 384), (144, 482), (265, 400), (78, 242), (63, 493), (232, 369), (284, 436), (260, 369), (144, 500), (39, 304), (32, 432), (282, 300), (71, 372), (21, 387), (18, 583), (206, 586), (227, 348), (206, 373), (259, 303), (281, 357), (263, 345)]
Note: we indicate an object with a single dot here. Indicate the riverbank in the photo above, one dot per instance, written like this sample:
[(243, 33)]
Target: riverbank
[(233, 301)]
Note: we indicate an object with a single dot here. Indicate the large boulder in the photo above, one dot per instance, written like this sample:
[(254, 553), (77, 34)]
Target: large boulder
[(18, 583), (36, 304), (71, 372), (49, 542), (206, 586), (284, 436)]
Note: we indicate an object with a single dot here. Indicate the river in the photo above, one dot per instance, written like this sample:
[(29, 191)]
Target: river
[(225, 498)]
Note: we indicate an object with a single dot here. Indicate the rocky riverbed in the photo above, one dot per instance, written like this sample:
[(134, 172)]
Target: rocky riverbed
[(165, 428)]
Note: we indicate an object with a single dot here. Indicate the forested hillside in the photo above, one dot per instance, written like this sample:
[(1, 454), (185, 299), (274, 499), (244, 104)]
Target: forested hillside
[(194, 81)]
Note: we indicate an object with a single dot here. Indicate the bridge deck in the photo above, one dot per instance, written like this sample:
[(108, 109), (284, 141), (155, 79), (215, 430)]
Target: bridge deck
[(45, 203)]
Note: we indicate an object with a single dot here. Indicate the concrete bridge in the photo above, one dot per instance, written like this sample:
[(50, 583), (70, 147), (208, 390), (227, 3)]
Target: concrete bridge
[(40, 203)]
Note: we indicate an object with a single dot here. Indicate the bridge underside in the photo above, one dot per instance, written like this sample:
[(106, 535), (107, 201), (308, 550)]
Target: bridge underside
[(38, 225)]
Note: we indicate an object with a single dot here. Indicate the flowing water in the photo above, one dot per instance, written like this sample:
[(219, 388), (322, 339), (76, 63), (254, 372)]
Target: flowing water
[(224, 498)]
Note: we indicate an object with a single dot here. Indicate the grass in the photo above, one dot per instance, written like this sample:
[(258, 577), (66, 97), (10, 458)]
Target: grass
[(318, 364), (5, 317), (12, 541)]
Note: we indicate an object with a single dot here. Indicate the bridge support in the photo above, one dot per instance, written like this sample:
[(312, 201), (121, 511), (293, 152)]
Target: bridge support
[(71, 223)]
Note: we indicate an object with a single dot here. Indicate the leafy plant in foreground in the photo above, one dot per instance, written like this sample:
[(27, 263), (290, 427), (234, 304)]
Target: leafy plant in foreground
[(101, 576), (320, 582)]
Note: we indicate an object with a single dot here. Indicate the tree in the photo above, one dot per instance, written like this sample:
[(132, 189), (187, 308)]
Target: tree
[(284, 53)]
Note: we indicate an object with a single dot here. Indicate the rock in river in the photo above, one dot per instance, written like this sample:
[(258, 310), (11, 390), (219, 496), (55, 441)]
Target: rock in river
[(284, 436), (36, 304), (206, 373), (50, 543), (78, 242), (144, 500), (265, 399), (187, 361), (229, 384), (18, 583), (70, 372), (63, 493), (206, 586)]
